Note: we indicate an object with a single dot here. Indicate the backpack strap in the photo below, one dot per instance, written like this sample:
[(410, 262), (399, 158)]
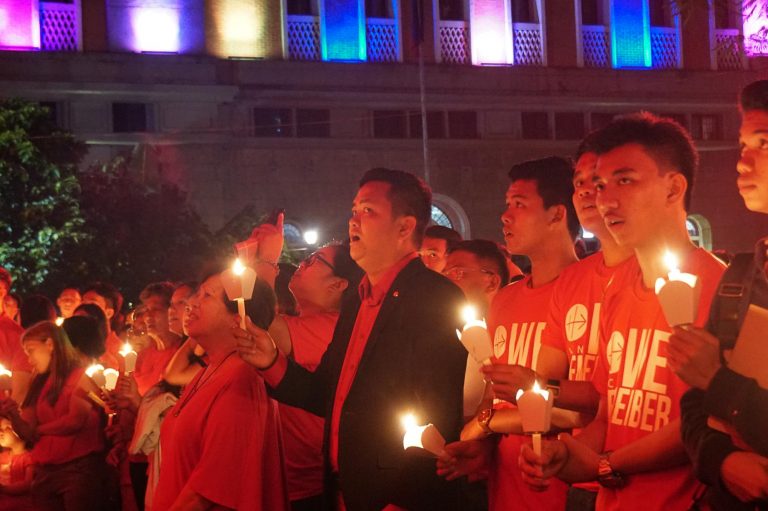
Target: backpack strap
[(732, 299)]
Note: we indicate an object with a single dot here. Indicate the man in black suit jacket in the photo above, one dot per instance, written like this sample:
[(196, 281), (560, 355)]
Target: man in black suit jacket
[(394, 351)]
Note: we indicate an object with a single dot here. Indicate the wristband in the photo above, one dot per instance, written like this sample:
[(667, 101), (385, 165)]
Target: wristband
[(274, 361), (268, 263)]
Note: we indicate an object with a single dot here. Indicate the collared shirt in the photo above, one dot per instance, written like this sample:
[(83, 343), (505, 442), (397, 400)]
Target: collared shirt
[(371, 298)]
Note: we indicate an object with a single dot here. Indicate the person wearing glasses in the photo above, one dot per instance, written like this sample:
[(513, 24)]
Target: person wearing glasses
[(319, 285)]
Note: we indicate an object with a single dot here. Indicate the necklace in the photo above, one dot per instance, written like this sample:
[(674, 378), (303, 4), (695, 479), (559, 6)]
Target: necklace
[(199, 383)]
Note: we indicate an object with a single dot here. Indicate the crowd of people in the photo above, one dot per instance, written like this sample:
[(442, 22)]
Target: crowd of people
[(293, 399)]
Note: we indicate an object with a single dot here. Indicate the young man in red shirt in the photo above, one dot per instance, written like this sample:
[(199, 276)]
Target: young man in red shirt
[(540, 223), (394, 351), (644, 174)]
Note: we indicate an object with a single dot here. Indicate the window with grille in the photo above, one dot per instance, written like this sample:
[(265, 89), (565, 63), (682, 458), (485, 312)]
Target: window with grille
[(311, 122), (439, 217), (524, 11), (378, 9), (592, 12), (389, 124), (301, 7), (131, 118), (272, 122), (535, 125), (706, 127), (452, 10)]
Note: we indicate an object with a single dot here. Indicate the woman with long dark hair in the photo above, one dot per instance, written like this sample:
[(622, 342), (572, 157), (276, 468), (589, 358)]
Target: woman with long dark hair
[(64, 426)]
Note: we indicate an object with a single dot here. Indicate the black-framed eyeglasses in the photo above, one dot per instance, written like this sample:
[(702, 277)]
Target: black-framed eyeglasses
[(309, 261), (458, 272)]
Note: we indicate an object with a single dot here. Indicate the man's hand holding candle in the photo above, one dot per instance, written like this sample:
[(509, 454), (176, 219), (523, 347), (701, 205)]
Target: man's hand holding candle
[(694, 355), (537, 469), (470, 458), (508, 379)]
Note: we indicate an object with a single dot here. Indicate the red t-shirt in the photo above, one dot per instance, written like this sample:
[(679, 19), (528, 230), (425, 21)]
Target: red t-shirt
[(13, 470), (12, 354), (221, 440), (61, 447), (112, 345), (643, 393), (516, 321), (573, 322), (303, 431)]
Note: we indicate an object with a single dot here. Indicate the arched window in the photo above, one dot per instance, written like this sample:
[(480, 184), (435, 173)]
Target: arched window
[(440, 218), (292, 234), (449, 213), (700, 231)]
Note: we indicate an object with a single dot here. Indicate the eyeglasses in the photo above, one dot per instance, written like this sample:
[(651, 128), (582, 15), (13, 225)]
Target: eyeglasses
[(309, 261), (458, 272)]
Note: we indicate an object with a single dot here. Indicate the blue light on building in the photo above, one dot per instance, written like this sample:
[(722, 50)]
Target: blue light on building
[(630, 34), (343, 29)]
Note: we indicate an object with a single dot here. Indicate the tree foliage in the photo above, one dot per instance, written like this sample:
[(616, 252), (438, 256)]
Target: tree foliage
[(39, 211)]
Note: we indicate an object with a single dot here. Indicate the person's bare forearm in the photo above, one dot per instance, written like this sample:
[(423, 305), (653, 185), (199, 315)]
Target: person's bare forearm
[(659, 450), (180, 370)]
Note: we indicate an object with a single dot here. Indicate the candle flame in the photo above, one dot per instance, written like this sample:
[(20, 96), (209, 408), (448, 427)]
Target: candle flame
[(127, 348), (538, 390), (4, 371), (93, 368), (59, 321), (670, 260), (409, 421), (469, 313), (237, 267)]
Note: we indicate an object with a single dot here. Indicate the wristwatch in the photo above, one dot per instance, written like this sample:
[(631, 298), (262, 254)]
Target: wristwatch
[(606, 475), (553, 385), (484, 420)]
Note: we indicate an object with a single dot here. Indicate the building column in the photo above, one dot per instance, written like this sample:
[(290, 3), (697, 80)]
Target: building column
[(630, 34), (411, 31), (20, 25), (93, 14), (343, 30), (695, 31), (561, 33), (490, 24)]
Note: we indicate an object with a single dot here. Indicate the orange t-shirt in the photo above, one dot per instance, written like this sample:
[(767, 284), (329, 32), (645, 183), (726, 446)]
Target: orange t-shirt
[(573, 322), (516, 321), (220, 441), (643, 392), (303, 431)]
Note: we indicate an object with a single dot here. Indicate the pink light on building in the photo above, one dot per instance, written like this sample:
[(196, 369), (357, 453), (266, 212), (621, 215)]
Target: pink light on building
[(491, 24), (756, 28), (155, 29), (19, 25)]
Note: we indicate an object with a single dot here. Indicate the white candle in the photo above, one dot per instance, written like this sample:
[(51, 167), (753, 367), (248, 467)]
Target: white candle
[(475, 337), (238, 283), (59, 321), (96, 373), (535, 407), (129, 356), (110, 378), (678, 294), (5, 380), (425, 437)]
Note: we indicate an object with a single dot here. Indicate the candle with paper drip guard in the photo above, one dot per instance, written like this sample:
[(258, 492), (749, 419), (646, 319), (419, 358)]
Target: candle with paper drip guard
[(475, 336), (238, 283), (678, 294), (535, 406), (5, 381), (96, 373), (59, 321), (425, 437), (129, 356), (110, 378)]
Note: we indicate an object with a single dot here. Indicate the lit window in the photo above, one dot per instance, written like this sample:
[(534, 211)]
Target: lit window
[(292, 234), (440, 218)]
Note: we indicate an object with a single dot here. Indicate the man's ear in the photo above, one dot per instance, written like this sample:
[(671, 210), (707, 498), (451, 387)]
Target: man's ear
[(109, 312), (406, 226), (494, 283), (678, 185), (339, 284), (558, 214)]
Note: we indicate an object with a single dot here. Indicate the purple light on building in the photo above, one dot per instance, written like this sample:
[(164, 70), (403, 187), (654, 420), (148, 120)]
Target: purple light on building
[(491, 32), (19, 25), (756, 29)]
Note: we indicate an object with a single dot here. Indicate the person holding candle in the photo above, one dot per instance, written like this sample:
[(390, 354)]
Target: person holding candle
[(68, 300), (16, 470), (63, 425), (110, 301), (12, 355), (394, 350), (540, 223), (12, 303), (220, 445), (479, 268), (645, 173), (734, 466)]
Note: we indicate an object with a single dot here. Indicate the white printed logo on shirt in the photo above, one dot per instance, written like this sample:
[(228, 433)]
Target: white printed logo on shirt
[(522, 337)]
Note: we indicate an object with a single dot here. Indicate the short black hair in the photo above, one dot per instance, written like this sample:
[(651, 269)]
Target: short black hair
[(409, 195), (34, 309), (109, 292), (665, 140), (488, 252), (754, 96), (346, 268), (554, 182), (442, 232), (86, 335), (163, 289), (94, 311)]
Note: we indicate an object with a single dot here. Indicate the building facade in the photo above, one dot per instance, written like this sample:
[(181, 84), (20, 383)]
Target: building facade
[(285, 103)]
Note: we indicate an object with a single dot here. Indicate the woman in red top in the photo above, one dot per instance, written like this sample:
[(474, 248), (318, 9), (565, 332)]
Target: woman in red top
[(220, 446), (64, 426)]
